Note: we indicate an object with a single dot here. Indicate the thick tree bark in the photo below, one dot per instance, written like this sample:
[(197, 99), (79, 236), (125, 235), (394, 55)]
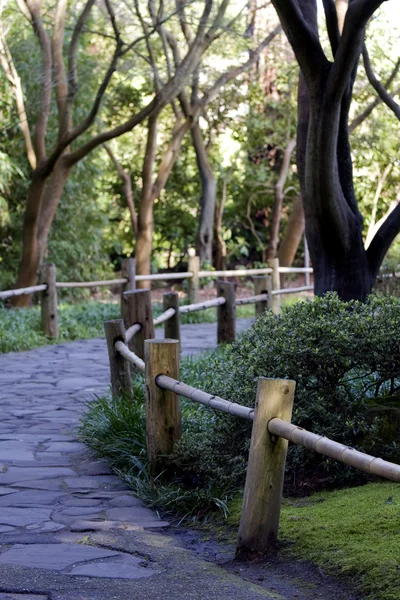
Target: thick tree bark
[(28, 267), (51, 199), (333, 221), (207, 202)]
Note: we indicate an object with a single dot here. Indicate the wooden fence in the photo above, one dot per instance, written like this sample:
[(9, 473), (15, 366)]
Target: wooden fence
[(267, 282), (131, 345)]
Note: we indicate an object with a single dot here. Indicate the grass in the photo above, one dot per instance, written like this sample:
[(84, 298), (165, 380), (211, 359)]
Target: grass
[(20, 329), (352, 533)]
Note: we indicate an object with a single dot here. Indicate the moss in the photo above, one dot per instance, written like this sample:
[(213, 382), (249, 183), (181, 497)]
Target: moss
[(352, 533)]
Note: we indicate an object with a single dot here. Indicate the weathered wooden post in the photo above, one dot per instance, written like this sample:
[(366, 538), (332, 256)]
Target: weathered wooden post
[(226, 313), (163, 411), (138, 309), (194, 282), (128, 270), (48, 301), (258, 529), (276, 285), (120, 372), (261, 287), (172, 327)]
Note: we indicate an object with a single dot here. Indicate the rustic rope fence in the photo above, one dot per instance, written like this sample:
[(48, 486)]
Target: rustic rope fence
[(271, 416)]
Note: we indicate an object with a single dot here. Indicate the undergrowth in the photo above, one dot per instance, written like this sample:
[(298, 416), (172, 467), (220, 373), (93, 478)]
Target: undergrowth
[(20, 329)]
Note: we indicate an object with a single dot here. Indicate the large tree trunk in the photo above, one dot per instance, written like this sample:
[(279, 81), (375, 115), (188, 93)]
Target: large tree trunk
[(51, 199), (28, 267), (207, 202)]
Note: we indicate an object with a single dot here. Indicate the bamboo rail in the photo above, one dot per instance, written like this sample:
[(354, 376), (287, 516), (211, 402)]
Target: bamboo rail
[(187, 391), (252, 299), (168, 314), (296, 270), (131, 357), (303, 288), (23, 291), (235, 272), (132, 331), (82, 284), (201, 305), (345, 454), (164, 276)]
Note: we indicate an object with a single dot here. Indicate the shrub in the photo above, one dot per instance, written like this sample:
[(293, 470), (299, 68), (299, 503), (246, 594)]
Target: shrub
[(343, 356)]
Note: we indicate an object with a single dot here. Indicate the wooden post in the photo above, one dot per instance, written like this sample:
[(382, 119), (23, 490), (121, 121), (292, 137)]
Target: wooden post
[(194, 285), (269, 292), (172, 327), (226, 313), (120, 372), (128, 270), (163, 411), (137, 309), (48, 301), (259, 521), (276, 285), (261, 287)]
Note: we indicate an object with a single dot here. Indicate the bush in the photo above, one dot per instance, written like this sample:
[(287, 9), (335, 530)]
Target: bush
[(344, 357)]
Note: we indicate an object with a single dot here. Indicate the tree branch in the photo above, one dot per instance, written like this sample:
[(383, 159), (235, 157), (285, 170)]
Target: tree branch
[(302, 32), (127, 185), (60, 76), (381, 90), (332, 24), (39, 135), (382, 240)]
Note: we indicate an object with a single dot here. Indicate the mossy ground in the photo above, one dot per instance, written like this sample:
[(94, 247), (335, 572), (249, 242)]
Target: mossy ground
[(353, 533)]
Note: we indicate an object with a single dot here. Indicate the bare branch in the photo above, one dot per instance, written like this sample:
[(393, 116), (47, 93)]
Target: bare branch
[(60, 76), (382, 240), (381, 90), (127, 185), (11, 74)]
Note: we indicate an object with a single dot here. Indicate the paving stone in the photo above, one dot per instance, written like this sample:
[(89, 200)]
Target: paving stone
[(81, 482), (8, 596), (131, 514), (125, 501), (42, 484), (56, 557), (76, 383), (66, 447), (80, 502), (129, 568), (15, 474), (21, 517), (77, 511), (31, 497)]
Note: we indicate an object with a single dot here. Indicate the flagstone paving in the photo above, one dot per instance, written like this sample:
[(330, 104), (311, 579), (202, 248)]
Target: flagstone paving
[(69, 528)]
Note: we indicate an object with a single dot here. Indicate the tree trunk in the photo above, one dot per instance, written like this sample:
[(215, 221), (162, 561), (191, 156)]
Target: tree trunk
[(145, 217), (220, 246), (207, 201), (51, 199), (279, 197), (28, 267), (294, 232)]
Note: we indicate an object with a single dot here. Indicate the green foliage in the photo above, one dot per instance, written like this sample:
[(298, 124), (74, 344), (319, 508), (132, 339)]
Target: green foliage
[(341, 355)]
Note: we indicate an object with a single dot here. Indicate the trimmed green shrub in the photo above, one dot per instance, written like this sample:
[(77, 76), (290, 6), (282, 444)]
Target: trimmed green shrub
[(344, 357)]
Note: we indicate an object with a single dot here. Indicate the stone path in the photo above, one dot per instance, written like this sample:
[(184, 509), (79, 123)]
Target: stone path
[(69, 529)]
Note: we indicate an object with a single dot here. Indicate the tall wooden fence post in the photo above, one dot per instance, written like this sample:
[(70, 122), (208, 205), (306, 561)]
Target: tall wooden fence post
[(128, 270), (138, 309), (194, 282), (226, 313), (269, 292), (172, 327), (163, 411), (276, 285), (261, 287), (120, 372), (48, 301), (258, 529)]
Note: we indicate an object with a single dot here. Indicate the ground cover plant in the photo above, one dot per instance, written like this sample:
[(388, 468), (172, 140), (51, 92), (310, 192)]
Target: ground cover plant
[(352, 533)]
